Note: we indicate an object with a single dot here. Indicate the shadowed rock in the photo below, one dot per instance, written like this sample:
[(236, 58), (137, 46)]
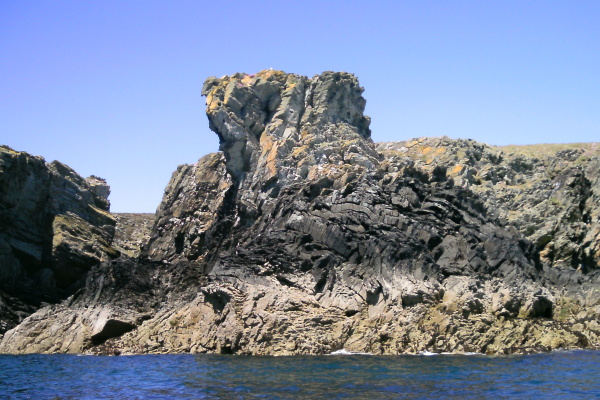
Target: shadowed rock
[(54, 226)]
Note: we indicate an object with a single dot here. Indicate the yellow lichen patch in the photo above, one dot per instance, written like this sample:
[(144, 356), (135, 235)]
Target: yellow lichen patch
[(220, 85), (426, 150), (211, 103), (270, 148), (8, 150), (266, 73), (457, 169), (301, 150), (439, 150), (304, 134), (546, 252)]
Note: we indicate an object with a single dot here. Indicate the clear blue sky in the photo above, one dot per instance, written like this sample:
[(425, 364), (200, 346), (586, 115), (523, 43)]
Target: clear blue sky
[(112, 88)]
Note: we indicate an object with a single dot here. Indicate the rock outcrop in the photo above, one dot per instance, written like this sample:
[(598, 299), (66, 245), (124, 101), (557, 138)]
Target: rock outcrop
[(550, 193), (54, 227), (132, 231), (304, 237)]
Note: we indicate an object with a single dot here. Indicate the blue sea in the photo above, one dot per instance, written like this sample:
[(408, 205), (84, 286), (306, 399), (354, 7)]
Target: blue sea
[(557, 375)]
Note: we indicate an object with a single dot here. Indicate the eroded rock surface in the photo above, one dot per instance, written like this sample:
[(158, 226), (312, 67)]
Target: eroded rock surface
[(54, 226), (549, 192), (132, 231), (303, 237)]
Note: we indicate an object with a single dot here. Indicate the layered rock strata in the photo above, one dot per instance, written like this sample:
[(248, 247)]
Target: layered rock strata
[(132, 231), (303, 237), (550, 193), (54, 227)]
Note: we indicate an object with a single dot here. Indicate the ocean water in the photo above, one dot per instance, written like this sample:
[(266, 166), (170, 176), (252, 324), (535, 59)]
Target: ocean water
[(557, 375)]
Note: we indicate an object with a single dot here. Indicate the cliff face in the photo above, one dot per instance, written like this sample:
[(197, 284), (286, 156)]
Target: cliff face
[(54, 227), (550, 193), (304, 237), (132, 231)]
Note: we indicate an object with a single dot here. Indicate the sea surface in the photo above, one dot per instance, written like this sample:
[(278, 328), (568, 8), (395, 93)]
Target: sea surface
[(557, 375)]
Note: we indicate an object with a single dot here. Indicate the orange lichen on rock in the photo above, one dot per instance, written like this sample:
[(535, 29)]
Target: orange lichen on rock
[(211, 103), (457, 169), (300, 151), (269, 148)]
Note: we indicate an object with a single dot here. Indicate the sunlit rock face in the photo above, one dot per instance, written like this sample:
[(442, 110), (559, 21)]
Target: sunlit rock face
[(301, 236)]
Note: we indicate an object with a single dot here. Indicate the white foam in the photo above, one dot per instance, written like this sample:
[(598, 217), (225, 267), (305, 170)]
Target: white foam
[(428, 353), (344, 352)]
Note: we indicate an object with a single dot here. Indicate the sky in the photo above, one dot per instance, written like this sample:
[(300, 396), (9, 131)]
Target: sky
[(113, 88)]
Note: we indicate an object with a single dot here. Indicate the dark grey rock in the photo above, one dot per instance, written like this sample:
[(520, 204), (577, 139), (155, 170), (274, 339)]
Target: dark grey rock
[(54, 227)]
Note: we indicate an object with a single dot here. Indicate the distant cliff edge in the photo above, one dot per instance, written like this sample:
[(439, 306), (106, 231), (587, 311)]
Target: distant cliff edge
[(302, 236)]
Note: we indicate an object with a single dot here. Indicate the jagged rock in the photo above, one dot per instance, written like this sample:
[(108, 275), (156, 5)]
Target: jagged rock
[(549, 192), (54, 227), (132, 232), (188, 213), (302, 238)]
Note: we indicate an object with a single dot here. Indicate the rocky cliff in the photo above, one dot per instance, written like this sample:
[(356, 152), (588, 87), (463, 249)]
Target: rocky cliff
[(54, 226), (550, 193), (302, 236), (132, 231)]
